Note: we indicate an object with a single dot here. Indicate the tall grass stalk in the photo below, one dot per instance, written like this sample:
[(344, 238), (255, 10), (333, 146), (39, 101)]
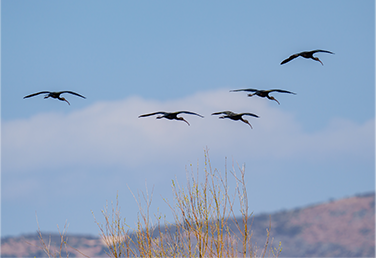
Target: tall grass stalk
[(205, 221), (63, 246)]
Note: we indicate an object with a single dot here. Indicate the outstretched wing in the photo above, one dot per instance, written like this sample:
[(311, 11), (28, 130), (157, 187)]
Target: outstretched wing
[(34, 94), (252, 90), (71, 92), (282, 91), (228, 113), (289, 59), (249, 114), (188, 112), (323, 51), (152, 114)]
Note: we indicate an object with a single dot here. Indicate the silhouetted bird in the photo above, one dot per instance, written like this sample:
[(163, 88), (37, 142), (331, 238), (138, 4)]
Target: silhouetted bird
[(235, 116), (171, 115), (263, 93), (306, 54), (55, 95)]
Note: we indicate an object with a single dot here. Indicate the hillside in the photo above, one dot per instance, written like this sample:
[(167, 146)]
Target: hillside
[(341, 228)]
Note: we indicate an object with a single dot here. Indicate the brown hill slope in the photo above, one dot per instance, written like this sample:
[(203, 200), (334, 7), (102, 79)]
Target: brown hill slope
[(342, 228)]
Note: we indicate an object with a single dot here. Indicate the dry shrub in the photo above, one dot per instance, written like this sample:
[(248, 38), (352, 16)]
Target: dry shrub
[(205, 224)]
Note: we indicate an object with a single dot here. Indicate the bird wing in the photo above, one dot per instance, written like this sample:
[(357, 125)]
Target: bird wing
[(289, 59), (253, 90), (155, 113), (249, 114), (71, 92), (224, 112), (319, 50), (283, 91), (34, 94), (188, 112)]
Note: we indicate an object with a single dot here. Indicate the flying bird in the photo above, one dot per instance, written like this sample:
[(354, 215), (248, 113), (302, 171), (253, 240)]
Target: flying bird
[(263, 93), (55, 95), (306, 54), (171, 115), (235, 116)]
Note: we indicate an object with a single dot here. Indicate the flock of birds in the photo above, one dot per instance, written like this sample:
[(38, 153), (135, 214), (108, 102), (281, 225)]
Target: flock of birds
[(225, 114)]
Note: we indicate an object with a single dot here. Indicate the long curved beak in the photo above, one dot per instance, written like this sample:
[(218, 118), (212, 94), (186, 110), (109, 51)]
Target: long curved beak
[(272, 98), (185, 121), (246, 121), (317, 59)]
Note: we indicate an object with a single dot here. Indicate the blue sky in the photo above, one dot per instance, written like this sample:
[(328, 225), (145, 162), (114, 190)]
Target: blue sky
[(130, 58)]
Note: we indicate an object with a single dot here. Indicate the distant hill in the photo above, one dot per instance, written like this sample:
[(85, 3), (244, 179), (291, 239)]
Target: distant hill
[(341, 228)]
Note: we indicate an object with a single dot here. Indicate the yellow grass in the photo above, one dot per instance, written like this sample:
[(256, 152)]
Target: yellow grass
[(203, 212)]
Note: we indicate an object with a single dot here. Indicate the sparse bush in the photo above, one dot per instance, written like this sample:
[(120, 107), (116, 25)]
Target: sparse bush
[(202, 212), (63, 246), (205, 224)]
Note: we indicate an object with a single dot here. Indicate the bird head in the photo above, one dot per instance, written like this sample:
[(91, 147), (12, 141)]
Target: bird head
[(182, 119), (317, 59), (63, 99), (272, 98), (246, 121)]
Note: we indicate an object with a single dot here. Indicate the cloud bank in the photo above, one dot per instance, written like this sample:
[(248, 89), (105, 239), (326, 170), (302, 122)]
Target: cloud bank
[(111, 134), (64, 165)]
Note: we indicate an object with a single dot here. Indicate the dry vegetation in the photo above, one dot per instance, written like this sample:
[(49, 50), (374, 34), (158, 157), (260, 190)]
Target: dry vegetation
[(202, 211)]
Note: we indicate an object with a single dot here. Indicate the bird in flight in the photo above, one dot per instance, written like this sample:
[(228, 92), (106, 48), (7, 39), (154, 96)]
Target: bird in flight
[(306, 54), (171, 115), (55, 95), (263, 93), (235, 116)]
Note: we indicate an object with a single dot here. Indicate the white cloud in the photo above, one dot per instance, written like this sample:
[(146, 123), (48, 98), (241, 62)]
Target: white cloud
[(52, 161), (110, 133)]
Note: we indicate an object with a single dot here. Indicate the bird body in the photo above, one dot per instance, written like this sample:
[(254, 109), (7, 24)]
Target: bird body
[(55, 95), (235, 116), (171, 115), (306, 54), (264, 93)]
